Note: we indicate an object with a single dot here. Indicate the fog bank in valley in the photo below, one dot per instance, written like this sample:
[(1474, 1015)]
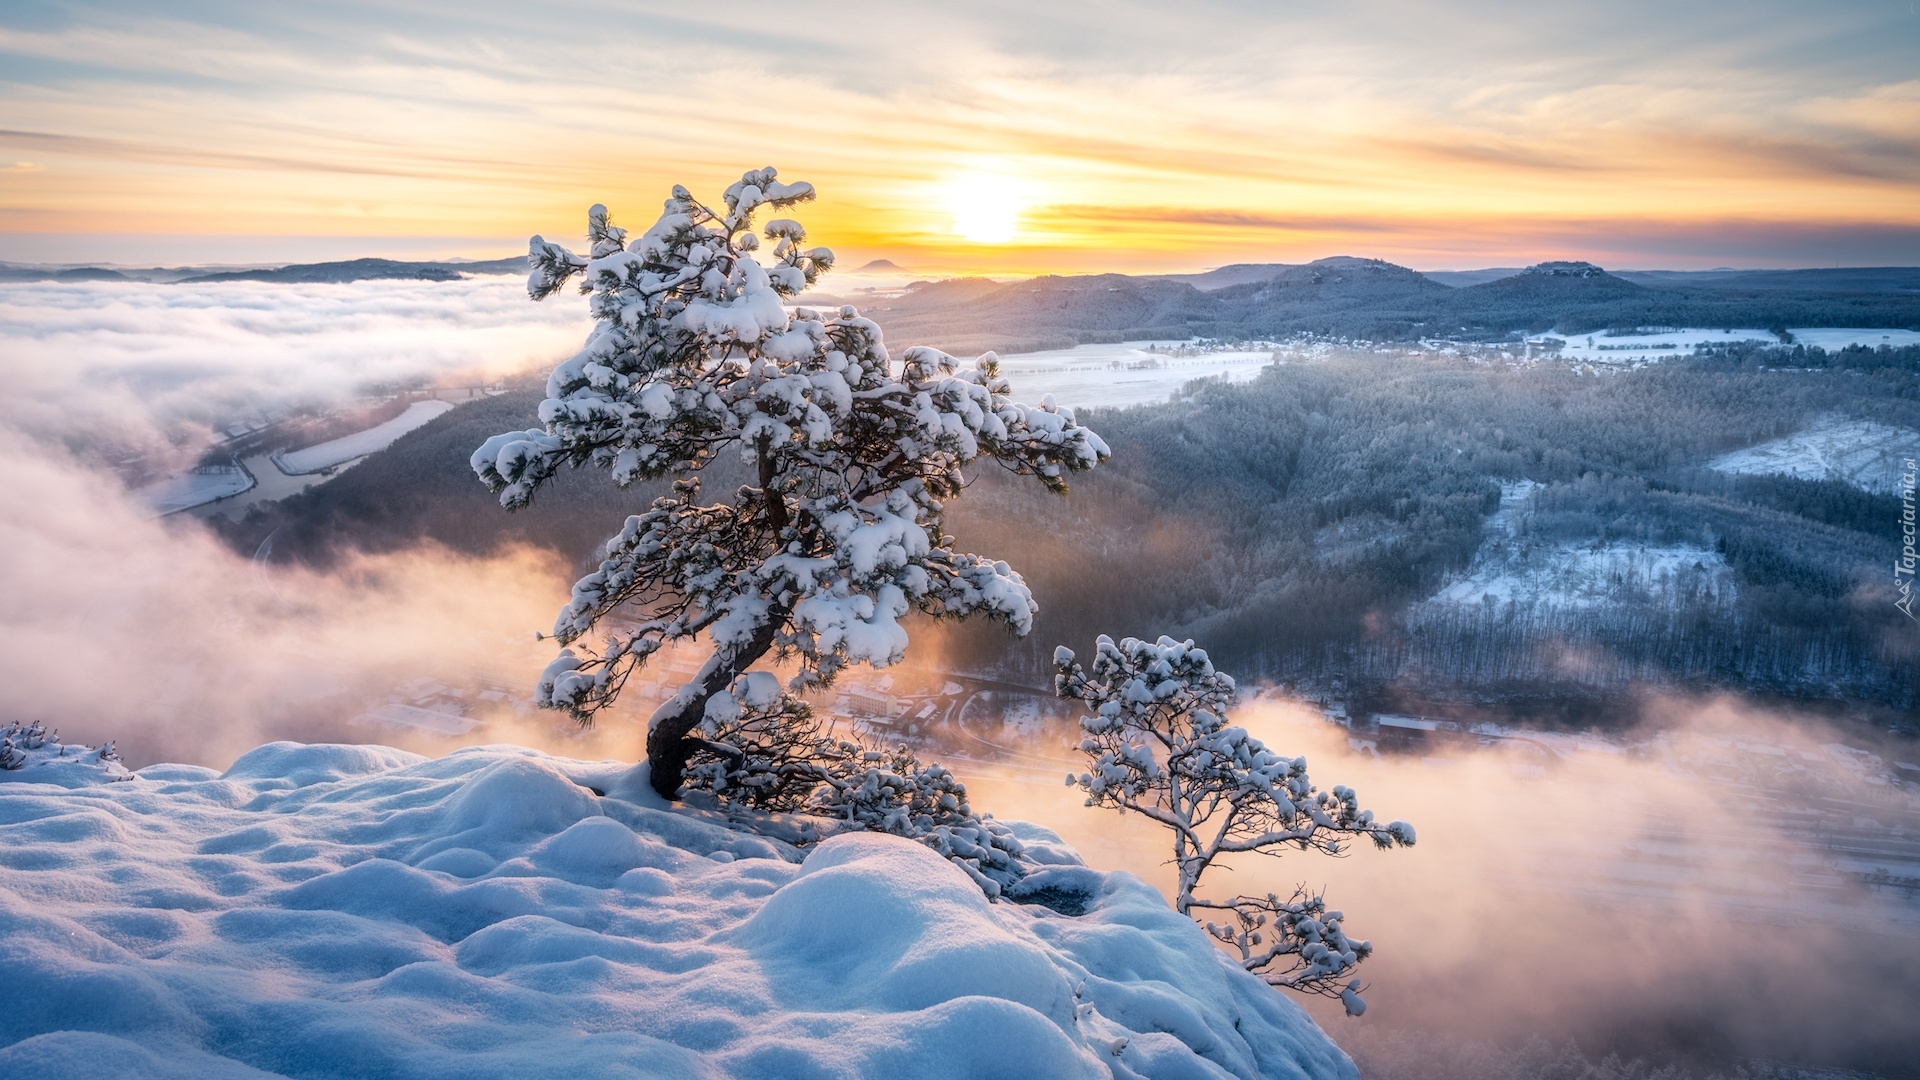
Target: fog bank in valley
[(1697, 890), (1693, 893)]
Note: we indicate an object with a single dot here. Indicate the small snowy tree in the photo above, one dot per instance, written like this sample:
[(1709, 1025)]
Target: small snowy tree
[(851, 453), (1161, 746)]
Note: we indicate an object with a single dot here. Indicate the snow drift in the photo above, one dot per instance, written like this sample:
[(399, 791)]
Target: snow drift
[(349, 911)]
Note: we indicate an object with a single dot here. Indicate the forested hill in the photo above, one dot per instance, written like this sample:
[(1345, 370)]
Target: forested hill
[(363, 270), (1398, 527), (1422, 532), (1377, 301)]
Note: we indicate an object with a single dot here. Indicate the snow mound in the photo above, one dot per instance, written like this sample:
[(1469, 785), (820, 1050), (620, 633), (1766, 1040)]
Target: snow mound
[(339, 451), (29, 753), (1863, 453), (353, 911)]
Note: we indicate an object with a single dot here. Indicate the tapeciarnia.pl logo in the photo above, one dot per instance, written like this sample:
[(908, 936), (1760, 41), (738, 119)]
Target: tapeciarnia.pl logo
[(1903, 567)]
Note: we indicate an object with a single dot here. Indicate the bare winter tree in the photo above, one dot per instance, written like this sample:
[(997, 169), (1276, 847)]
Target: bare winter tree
[(1161, 746), (852, 452)]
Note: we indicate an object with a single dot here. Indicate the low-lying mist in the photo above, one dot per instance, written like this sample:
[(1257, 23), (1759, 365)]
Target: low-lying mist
[(150, 632), (131, 364), (1692, 895)]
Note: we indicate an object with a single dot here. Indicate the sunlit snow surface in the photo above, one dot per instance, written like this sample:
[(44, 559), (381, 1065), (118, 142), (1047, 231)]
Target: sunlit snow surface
[(353, 911), (1859, 452)]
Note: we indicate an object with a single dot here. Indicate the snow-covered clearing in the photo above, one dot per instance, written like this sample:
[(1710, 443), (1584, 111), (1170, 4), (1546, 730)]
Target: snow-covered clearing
[(361, 443), (194, 488), (1836, 338), (1114, 376), (331, 911), (1508, 568), (1584, 576), (1601, 348), (1863, 453)]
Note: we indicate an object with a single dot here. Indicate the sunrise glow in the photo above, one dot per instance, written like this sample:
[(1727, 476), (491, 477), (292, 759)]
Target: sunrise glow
[(985, 207), (1108, 138)]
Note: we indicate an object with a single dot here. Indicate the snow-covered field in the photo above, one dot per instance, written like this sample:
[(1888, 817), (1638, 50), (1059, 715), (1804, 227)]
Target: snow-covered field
[(1573, 576), (1093, 376), (361, 443), (1859, 452), (212, 484), (335, 911), (1507, 569), (190, 489), (1832, 338), (1627, 348)]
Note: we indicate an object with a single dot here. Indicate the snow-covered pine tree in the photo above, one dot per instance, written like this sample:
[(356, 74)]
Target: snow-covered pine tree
[(1160, 746), (695, 354)]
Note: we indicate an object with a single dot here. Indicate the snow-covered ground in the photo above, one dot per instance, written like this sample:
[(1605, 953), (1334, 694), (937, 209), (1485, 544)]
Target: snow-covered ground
[(1859, 452), (211, 484), (1627, 348), (1093, 376), (193, 488), (1508, 568), (1835, 338), (1584, 576), (357, 911), (361, 443)]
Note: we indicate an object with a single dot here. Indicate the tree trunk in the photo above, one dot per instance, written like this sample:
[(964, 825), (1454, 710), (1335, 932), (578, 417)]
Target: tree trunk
[(668, 745)]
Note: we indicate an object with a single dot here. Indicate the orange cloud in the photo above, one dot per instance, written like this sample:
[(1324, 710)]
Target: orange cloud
[(1139, 140)]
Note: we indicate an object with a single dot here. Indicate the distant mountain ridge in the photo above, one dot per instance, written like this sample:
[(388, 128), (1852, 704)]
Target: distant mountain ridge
[(1872, 279), (1375, 300), (1341, 296), (369, 269)]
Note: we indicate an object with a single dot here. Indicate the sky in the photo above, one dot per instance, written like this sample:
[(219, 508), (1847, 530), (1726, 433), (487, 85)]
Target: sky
[(989, 137)]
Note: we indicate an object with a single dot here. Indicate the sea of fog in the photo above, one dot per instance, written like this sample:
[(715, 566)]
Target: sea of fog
[(1711, 893)]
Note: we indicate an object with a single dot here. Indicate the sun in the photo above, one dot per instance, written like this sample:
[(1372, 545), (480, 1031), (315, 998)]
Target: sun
[(985, 207)]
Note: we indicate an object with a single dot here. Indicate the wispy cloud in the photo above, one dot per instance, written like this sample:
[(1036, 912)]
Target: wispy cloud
[(490, 119)]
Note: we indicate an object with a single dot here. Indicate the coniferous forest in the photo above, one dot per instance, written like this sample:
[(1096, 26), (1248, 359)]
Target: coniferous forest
[(1338, 524)]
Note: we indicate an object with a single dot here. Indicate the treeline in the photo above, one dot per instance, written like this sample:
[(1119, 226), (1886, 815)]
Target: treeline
[(1297, 525)]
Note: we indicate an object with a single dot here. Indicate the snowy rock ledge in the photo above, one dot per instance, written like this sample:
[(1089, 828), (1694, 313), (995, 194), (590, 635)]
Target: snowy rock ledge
[(353, 911)]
